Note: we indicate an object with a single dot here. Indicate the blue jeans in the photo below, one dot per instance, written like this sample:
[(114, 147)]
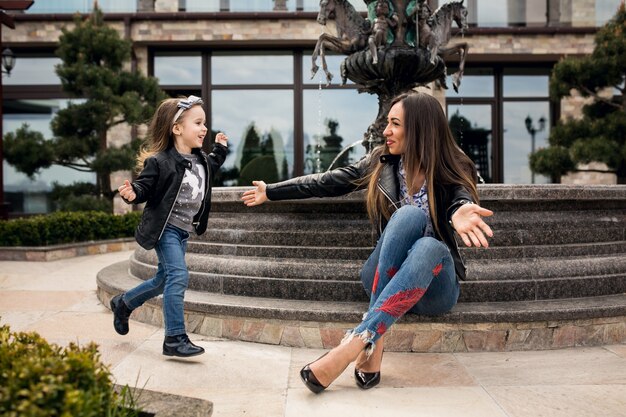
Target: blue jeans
[(171, 280), (407, 272)]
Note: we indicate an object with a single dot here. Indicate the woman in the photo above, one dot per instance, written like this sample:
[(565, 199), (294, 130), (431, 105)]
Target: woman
[(420, 190)]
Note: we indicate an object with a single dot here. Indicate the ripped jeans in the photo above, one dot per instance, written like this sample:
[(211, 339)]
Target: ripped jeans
[(407, 272)]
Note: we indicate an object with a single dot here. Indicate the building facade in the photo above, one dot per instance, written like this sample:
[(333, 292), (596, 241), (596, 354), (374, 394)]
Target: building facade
[(250, 60)]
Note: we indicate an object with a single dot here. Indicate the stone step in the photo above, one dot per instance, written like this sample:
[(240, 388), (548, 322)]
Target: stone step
[(364, 237), (115, 279), (329, 289), (535, 268), (313, 269), (362, 253), (304, 237), (348, 270), (272, 251)]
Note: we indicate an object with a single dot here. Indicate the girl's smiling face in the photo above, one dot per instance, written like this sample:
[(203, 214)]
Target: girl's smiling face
[(190, 130)]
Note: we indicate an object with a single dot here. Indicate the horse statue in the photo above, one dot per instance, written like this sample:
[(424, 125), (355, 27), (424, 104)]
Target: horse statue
[(353, 31), (436, 39)]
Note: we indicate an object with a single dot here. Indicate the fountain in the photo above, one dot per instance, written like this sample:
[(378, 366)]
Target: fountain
[(287, 272)]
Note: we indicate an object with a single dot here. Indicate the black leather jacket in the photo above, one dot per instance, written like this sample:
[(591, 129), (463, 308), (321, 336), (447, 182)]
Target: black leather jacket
[(347, 179), (158, 185)]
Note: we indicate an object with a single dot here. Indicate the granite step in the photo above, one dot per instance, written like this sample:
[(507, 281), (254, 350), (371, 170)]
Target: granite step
[(362, 253), (305, 237), (546, 268), (313, 269), (350, 289), (115, 279)]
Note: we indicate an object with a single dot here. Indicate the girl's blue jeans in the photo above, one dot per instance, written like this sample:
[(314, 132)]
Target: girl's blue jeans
[(171, 280), (407, 271)]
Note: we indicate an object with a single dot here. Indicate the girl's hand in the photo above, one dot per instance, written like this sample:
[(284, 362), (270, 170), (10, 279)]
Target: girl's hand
[(468, 223), (255, 196), (221, 138), (126, 190)]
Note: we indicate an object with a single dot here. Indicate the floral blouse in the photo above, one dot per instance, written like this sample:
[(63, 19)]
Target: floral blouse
[(420, 199)]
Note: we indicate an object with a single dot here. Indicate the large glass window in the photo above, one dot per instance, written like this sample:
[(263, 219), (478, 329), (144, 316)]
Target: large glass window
[(334, 123), (82, 6), (472, 127), (259, 125), (25, 195), (526, 129), (178, 69), (258, 68), (33, 71), (605, 10)]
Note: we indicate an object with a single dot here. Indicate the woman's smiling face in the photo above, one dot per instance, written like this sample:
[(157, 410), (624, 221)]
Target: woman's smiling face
[(394, 132)]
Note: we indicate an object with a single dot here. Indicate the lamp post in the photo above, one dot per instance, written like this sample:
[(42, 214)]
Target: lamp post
[(532, 130), (8, 63)]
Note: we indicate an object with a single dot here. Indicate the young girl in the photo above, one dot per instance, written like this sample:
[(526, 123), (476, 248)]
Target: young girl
[(175, 184), (420, 191)]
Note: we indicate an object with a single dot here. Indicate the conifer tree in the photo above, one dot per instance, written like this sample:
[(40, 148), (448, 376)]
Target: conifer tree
[(601, 133), (94, 61)]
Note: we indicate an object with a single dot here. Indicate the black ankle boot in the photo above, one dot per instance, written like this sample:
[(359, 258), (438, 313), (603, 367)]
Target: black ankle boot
[(121, 313), (181, 346)]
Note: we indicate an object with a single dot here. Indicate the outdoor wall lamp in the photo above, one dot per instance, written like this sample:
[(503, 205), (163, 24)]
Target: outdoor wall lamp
[(8, 61)]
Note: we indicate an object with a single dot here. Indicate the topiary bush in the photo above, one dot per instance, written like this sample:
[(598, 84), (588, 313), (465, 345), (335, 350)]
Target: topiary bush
[(67, 227), (38, 379)]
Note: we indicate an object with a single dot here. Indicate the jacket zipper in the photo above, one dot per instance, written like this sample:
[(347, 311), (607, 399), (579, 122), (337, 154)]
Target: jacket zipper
[(171, 208), (386, 194)]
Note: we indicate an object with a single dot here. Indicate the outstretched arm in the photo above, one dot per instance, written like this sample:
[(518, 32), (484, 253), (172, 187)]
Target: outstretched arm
[(468, 223)]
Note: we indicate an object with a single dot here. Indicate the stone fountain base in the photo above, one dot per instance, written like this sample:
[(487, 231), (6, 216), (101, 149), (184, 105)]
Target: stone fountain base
[(287, 273)]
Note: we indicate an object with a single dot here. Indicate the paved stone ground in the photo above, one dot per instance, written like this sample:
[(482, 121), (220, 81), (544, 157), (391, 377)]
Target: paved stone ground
[(58, 300)]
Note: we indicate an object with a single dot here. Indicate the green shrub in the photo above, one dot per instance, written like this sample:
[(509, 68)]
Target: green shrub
[(38, 379), (67, 227)]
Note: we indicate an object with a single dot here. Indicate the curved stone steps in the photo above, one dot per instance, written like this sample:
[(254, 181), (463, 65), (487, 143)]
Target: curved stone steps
[(290, 238), (267, 251), (362, 253), (314, 269), (495, 326), (312, 287)]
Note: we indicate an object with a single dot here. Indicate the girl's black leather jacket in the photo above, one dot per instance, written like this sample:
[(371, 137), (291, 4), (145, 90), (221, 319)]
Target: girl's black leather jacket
[(158, 185), (344, 180)]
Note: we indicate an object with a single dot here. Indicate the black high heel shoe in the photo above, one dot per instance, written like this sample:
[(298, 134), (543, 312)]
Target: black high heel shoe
[(366, 380), (309, 378)]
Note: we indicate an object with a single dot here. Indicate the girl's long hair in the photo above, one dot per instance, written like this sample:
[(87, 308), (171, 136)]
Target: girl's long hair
[(430, 148), (159, 136)]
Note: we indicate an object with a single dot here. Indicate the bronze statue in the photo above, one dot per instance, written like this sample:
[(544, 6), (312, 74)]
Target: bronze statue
[(353, 31), (401, 46), (382, 23)]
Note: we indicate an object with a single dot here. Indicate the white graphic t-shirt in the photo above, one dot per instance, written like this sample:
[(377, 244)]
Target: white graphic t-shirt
[(190, 196)]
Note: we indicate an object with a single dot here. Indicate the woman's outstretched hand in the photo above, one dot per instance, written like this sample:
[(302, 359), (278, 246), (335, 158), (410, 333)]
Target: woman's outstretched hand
[(126, 190), (255, 196), (468, 223)]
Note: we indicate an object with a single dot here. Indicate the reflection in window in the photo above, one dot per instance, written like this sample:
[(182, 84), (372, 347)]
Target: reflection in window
[(605, 10), (199, 5), (259, 126), (178, 70), (252, 69), (525, 85), (332, 61), (521, 137), (23, 194), (345, 116), (471, 127), (82, 6), (472, 86), (33, 71)]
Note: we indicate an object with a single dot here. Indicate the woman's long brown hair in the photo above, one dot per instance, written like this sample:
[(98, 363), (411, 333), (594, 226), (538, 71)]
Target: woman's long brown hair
[(160, 135), (429, 148)]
